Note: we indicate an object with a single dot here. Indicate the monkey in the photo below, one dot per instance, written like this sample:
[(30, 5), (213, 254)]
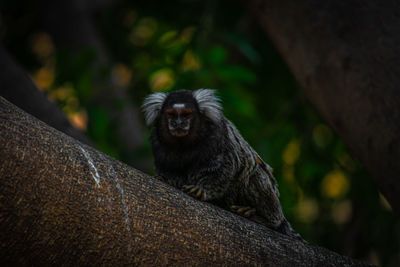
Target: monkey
[(199, 151)]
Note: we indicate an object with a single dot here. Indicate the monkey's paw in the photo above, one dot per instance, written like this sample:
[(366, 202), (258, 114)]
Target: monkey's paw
[(244, 211), (195, 191)]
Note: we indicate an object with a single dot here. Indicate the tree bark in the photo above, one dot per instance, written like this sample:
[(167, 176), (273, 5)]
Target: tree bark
[(63, 202), (345, 54)]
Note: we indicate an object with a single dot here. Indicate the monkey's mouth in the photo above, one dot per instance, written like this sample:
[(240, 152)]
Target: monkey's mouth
[(179, 132)]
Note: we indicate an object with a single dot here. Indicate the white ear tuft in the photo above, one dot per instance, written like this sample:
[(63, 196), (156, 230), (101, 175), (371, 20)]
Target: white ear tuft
[(209, 103), (151, 107)]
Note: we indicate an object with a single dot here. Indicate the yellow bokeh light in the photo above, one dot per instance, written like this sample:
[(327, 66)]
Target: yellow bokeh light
[(187, 34), (162, 80), (42, 45), (190, 61), (335, 184), (167, 37), (292, 152), (61, 93), (67, 96), (142, 33), (341, 212), (121, 75), (307, 210), (79, 119), (43, 78)]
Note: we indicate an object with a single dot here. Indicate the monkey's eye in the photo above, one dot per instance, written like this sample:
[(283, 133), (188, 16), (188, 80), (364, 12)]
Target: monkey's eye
[(187, 113), (170, 112)]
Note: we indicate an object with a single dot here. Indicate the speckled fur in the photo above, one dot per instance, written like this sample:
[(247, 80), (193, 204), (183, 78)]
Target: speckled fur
[(216, 158)]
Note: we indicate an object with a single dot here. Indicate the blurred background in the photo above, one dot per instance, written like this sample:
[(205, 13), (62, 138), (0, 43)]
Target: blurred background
[(97, 60)]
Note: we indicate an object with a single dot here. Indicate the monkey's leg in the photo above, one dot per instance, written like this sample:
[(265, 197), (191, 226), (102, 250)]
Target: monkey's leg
[(195, 191), (244, 211), (261, 194)]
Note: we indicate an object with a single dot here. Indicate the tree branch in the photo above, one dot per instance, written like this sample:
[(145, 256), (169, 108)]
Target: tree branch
[(345, 55), (63, 202)]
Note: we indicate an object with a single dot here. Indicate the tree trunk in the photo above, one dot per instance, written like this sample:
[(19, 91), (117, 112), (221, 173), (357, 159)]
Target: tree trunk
[(18, 88), (70, 24), (346, 56), (63, 202)]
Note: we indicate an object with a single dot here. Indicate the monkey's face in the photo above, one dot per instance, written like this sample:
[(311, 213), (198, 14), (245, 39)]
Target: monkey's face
[(182, 118), (179, 117)]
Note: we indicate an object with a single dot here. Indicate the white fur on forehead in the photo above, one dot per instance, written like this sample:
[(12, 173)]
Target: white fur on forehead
[(151, 107), (178, 106), (209, 103)]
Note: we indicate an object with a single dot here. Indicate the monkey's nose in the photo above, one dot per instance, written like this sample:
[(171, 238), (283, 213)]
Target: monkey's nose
[(183, 126), (180, 123)]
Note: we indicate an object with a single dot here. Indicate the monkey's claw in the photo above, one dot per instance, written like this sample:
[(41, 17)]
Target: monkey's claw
[(243, 210), (195, 191)]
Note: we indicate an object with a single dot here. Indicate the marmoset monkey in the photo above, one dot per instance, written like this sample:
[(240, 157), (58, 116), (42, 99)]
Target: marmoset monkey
[(196, 149)]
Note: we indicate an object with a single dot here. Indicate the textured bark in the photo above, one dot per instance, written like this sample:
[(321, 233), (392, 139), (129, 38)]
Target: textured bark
[(63, 202), (18, 88), (346, 56)]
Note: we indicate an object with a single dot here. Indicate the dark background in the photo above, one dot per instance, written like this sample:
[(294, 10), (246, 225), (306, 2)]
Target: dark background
[(97, 60)]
